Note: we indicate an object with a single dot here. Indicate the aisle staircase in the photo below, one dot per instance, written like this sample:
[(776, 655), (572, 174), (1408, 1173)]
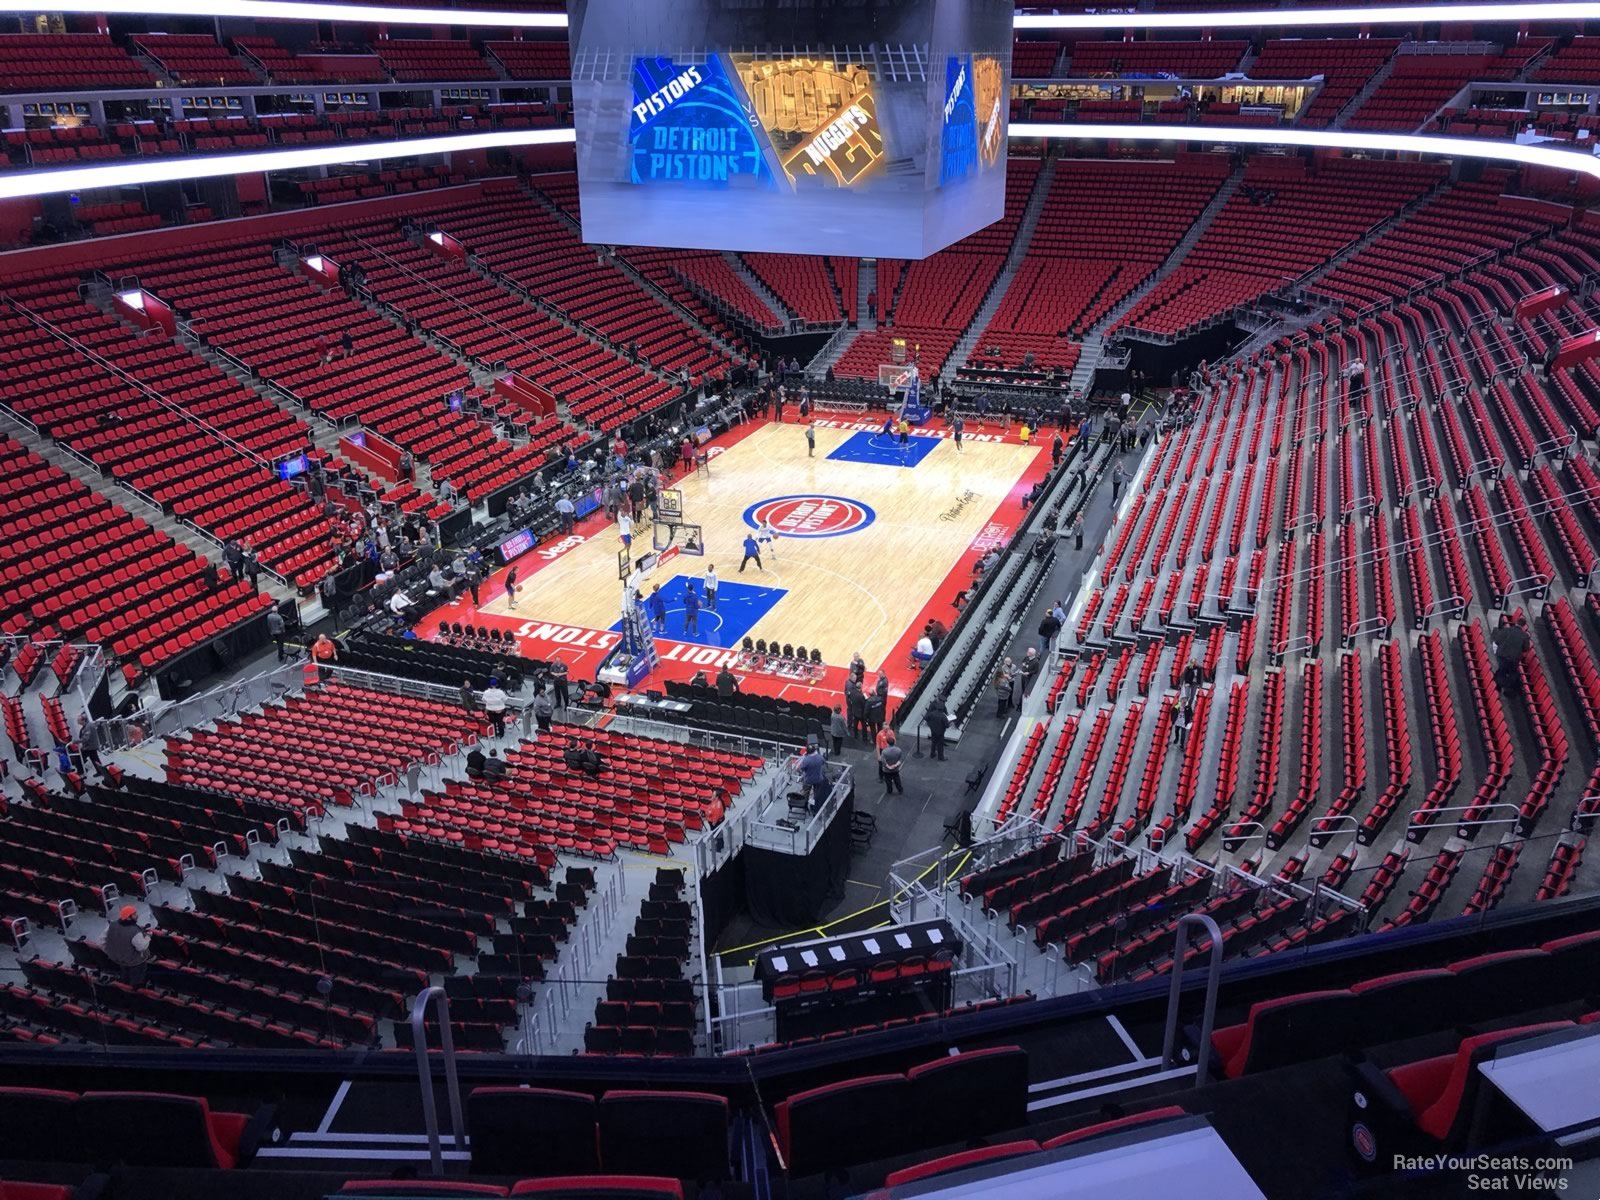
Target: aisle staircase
[(1002, 283), (766, 295), (866, 284)]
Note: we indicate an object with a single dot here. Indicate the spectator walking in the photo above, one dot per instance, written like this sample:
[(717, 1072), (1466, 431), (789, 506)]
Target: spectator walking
[(469, 698), (1193, 676), (1510, 642), (889, 759), (1077, 530), (494, 706), (324, 652), (1049, 630), (252, 568), (1118, 476), (276, 629), (1182, 718)]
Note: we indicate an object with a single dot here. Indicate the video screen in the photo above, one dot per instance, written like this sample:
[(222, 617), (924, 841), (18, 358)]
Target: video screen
[(869, 129)]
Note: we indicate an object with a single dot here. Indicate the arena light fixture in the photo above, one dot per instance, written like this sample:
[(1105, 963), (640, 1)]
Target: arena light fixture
[(168, 170), (1289, 18), (1278, 18), (1338, 139), (287, 10)]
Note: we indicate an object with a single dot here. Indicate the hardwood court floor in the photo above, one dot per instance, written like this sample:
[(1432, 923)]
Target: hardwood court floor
[(856, 590)]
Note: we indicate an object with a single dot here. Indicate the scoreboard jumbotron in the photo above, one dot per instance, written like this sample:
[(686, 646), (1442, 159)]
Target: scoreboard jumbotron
[(859, 128)]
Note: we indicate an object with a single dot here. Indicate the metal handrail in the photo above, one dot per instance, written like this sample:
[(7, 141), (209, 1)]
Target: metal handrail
[(419, 1041), (1181, 942)]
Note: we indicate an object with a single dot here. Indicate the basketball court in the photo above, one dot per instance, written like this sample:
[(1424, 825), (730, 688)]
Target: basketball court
[(872, 538)]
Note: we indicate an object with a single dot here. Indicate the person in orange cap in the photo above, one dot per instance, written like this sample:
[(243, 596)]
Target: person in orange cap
[(128, 945)]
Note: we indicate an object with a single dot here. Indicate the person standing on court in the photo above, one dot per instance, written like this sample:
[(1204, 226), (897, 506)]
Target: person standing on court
[(837, 728), (566, 513), (657, 604), (511, 588), (752, 549), (958, 427), (711, 583), (1056, 448), (691, 610), (625, 530), (881, 689), (811, 439), (494, 707), (938, 722)]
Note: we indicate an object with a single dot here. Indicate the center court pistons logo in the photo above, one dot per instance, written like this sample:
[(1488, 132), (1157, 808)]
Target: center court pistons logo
[(810, 516)]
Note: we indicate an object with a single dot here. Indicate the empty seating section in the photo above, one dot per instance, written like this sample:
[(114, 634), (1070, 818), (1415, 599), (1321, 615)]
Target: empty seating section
[(195, 59), (1032, 58), (532, 60), (709, 273), (1204, 59), (532, 246), (1576, 62), (1103, 230), (282, 65), (1346, 64), (802, 282), (931, 302), (340, 740), (648, 796), (649, 1006), (168, 424), (47, 62), (78, 567), (1285, 219), (1461, 225), (411, 60), (1419, 84), (390, 382)]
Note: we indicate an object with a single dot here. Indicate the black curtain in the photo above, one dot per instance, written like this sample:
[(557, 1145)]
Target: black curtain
[(790, 891)]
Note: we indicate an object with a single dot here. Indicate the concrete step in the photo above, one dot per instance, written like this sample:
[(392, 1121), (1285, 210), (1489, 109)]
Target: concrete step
[(866, 284), (1002, 284), (753, 281)]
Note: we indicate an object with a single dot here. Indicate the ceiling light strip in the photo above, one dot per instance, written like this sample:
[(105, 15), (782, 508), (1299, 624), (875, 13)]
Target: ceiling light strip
[(1275, 18)]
